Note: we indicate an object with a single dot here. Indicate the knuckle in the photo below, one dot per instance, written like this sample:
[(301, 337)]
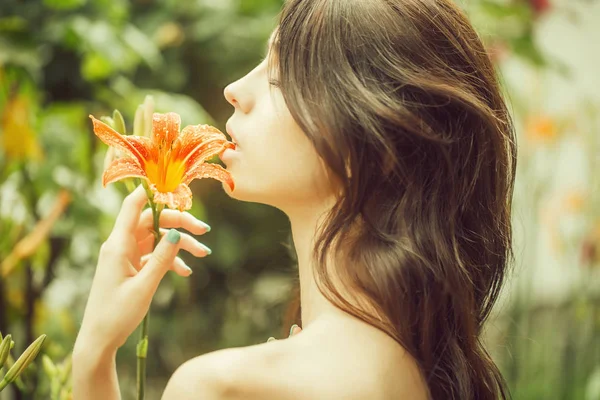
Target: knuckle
[(146, 215), (128, 201), (103, 248), (111, 247), (107, 248), (161, 259)]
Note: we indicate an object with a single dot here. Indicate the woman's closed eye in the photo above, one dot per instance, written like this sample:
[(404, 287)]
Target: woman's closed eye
[(274, 82)]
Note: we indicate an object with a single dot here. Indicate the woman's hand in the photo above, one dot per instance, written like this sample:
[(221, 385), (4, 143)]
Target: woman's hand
[(128, 272), (294, 330)]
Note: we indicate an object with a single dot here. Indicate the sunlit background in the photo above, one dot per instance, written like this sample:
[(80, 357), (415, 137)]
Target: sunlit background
[(61, 60)]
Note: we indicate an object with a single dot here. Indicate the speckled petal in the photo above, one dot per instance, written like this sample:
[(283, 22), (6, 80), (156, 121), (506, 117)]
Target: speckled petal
[(113, 138), (198, 143), (180, 199), (165, 129), (144, 146), (122, 168), (205, 170)]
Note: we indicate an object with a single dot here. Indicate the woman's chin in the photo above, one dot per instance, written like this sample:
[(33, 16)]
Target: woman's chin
[(236, 193), (228, 190), (241, 193)]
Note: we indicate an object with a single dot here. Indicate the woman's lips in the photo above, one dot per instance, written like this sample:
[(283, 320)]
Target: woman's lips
[(227, 154), (232, 134)]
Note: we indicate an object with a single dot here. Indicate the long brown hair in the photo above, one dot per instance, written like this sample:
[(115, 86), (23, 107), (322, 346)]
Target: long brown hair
[(403, 104)]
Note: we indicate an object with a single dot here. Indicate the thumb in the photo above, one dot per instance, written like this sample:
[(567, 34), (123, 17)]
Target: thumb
[(161, 259)]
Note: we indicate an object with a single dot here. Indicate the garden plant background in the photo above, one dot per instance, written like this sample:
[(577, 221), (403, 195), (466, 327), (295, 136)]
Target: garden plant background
[(61, 60)]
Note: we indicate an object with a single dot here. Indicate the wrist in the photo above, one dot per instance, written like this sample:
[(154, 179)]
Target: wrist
[(90, 355)]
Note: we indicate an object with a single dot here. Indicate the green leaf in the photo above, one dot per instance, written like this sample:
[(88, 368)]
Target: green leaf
[(526, 48), (96, 67), (63, 5), (63, 128), (13, 24), (143, 46)]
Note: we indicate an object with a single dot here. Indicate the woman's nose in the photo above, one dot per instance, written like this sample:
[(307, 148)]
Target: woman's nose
[(237, 98)]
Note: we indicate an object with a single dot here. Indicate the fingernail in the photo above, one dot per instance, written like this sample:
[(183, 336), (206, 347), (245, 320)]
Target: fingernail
[(292, 329), (189, 269), (173, 236), (204, 225), (270, 339), (206, 248)]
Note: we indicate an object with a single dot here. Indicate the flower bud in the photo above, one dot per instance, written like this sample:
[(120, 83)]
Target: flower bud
[(148, 112), (49, 367), (138, 121), (111, 155), (119, 122), (65, 372), (108, 121), (26, 358), (5, 346), (142, 348)]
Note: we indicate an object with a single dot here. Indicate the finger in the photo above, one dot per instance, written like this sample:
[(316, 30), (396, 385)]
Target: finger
[(294, 329), (188, 243), (162, 258), (179, 266), (171, 219), (191, 245), (147, 245), (129, 215)]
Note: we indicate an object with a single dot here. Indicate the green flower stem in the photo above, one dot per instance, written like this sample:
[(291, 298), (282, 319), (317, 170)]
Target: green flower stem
[(142, 346)]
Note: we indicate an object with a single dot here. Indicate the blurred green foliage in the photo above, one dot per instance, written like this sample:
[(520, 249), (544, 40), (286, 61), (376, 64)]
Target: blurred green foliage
[(61, 60)]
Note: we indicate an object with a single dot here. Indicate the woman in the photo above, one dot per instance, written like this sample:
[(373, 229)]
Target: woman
[(378, 127)]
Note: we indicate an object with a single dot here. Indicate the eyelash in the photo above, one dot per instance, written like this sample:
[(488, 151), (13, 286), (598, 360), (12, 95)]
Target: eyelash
[(273, 82)]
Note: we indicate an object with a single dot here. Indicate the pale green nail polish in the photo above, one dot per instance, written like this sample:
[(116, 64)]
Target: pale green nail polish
[(270, 339), (206, 226), (206, 248), (292, 329), (173, 236)]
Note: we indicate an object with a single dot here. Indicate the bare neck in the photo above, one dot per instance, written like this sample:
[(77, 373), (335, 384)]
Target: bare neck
[(304, 225)]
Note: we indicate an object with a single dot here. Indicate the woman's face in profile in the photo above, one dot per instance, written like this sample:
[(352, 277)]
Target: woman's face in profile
[(274, 163)]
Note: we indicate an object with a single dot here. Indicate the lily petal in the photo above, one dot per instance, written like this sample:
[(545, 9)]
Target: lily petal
[(198, 143), (113, 138), (122, 168), (179, 199), (144, 147), (165, 129), (205, 170)]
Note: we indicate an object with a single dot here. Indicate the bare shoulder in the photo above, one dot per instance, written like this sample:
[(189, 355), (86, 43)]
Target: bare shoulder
[(203, 376), (318, 363)]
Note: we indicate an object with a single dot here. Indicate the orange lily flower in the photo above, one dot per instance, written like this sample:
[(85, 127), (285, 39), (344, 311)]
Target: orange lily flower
[(169, 160)]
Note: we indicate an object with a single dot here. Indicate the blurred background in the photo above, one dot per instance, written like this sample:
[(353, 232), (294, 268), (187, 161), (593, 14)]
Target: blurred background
[(61, 60)]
